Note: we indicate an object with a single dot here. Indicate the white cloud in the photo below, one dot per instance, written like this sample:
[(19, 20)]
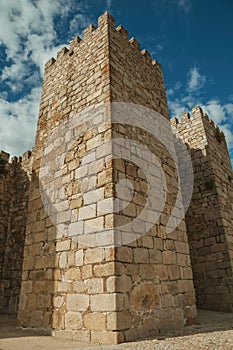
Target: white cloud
[(29, 37), (27, 31), (176, 107), (18, 123), (79, 22), (195, 80), (16, 71), (216, 111), (229, 108), (227, 129)]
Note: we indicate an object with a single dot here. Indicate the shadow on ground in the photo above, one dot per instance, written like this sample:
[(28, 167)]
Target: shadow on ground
[(9, 329), (15, 338)]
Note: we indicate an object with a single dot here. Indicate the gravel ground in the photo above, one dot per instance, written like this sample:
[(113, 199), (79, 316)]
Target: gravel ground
[(213, 331)]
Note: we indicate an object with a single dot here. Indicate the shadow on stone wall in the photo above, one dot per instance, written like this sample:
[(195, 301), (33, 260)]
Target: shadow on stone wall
[(14, 183), (208, 234), (37, 289)]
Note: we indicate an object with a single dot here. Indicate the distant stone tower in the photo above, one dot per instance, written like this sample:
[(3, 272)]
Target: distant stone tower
[(106, 294), (209, 218)]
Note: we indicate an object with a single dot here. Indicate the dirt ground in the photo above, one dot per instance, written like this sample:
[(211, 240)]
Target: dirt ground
[(213, 331)]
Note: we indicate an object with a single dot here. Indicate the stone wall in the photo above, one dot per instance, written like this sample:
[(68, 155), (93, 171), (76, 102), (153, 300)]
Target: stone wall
[(5, 208), (210, 215), (14, 183), (135, 77), (53, 294), (100, 293), (159, 294)]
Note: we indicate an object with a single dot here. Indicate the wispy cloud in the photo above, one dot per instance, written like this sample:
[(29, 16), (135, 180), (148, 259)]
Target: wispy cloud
[(79, 22), (170, 5), (195, 80), (185, 5), (175, 88), (108, 5)]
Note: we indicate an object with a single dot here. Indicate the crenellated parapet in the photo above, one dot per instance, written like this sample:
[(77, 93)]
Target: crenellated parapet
[(16, 160), (197, 113), (198, 125), (5, 156), (104, 21)]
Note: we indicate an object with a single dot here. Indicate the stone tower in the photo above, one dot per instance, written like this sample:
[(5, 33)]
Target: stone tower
[(209, 218), (108, 293)]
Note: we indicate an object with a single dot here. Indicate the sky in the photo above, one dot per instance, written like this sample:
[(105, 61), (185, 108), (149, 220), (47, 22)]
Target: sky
[(192, 39)]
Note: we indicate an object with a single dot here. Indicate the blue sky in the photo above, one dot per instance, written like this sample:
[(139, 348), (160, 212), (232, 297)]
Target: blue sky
[(192, 39)]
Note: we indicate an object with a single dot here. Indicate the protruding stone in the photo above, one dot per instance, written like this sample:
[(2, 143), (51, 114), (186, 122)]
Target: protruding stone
[(197, 111), (185, 117), (174, 121), (26, 155), (50, 62), (74, 43), (5, 156), (134, 43), (123, 31), (88, 31), (62, 52), (146, 54), (106, 18)]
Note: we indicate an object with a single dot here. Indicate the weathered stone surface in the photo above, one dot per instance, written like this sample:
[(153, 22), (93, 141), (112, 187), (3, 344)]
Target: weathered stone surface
[(77, 302), (95, 321)]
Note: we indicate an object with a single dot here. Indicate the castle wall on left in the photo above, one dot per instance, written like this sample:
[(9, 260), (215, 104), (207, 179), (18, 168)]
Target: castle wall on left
[(14, 189)]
